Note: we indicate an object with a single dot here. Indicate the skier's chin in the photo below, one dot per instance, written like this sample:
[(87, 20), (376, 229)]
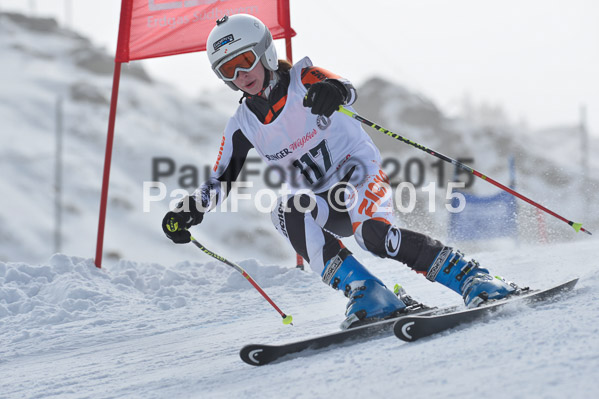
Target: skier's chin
[(251, 89)]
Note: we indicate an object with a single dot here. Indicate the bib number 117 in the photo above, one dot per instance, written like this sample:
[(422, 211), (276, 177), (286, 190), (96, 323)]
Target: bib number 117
[(315, 163)]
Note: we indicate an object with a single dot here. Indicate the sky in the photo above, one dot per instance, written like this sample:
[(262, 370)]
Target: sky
[(538, 59)]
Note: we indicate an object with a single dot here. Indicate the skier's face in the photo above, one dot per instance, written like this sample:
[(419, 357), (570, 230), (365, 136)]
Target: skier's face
[(251, 82)]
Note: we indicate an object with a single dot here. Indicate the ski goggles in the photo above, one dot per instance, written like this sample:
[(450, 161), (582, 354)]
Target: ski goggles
[(229, 68)]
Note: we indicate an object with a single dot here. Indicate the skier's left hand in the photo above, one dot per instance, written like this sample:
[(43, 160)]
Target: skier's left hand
[(324, 98)]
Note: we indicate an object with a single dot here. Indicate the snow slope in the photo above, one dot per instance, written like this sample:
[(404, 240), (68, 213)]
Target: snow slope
[(161, 320), (69, 330)]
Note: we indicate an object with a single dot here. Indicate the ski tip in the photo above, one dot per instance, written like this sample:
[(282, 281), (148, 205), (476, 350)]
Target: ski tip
[(402, 330), (254, 355)]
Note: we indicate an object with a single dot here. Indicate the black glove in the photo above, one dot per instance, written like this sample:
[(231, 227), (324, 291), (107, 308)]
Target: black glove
[(324, 98), (176, 222)]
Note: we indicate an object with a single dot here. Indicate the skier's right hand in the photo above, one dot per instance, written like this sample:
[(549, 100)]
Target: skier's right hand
[(324, 98), (177, 221)]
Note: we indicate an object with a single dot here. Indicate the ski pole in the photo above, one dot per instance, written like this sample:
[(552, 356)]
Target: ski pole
[(575, 226), (287, 319)]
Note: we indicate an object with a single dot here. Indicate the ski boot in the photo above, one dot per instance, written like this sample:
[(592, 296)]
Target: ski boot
[(369, 299), (468, 279)]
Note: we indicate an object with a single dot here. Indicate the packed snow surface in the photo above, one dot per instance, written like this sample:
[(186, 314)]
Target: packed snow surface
[(70, 330)]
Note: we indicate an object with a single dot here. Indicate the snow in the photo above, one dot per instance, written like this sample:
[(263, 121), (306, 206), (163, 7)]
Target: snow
[(161, 320), (70, 330)]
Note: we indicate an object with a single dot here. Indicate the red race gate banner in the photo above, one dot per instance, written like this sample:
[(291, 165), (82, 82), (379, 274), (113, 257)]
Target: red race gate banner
[(157, 28)]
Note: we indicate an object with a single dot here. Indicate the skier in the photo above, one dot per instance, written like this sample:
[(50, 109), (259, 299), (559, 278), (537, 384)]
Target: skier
[(287, 113)]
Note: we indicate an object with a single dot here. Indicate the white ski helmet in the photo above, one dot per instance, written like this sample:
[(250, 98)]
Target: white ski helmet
[(235, 35)]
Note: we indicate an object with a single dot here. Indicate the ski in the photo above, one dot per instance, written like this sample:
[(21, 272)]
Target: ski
[(427, 320), (259, 354), (411, 328)]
